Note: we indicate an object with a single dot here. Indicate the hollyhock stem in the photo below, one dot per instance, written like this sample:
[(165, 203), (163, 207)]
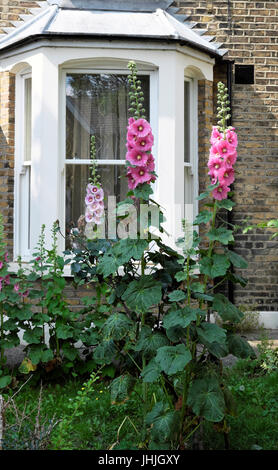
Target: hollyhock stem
[(211, 245)]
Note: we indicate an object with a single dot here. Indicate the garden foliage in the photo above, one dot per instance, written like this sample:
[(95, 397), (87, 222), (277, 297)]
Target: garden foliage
[(148, 319)]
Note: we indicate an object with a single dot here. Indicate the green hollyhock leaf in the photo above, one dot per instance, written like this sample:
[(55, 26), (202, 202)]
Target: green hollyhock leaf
[(142, 294), (206, 399), (218, 350), (33, 336), (70, 352), (5, 380), (64, 331), (149, 341), (130, 248), (197, 287), (181, 276), (151, 372), (236, 259), (35, 353), (221, 235), (225, 204), (117, 326), (239, 347), (121, 388), (236, 279), (143, 191), (203, 217), (177, 296), (110, 263), (173, 359), (215, 266), (181, 317), (89, 337), (163, 422), (105, 352), (226, 310), (210, 333)]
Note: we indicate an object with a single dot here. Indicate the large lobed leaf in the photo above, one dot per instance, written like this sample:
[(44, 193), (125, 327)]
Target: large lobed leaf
[(173, 359), (206, 399), (142, 294)]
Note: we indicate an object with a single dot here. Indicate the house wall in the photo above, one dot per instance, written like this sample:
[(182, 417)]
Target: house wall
[(7, 123), (249, 30)]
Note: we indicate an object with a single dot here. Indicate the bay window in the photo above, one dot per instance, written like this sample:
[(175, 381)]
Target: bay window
[(96, 105)]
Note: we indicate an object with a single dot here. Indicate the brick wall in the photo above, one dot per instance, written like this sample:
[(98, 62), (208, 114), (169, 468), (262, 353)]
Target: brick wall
[(11, 9), (7, 107), (249, 30)]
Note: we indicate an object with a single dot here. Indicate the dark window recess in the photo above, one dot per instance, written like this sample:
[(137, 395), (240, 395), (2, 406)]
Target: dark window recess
[(244, 74)]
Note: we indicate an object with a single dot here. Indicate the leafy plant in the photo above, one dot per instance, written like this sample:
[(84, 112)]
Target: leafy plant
[(158, 330)]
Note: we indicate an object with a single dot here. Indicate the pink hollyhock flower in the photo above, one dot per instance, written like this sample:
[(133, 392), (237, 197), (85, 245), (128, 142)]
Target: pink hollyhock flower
[(215, 135), (226, 176), (140, 175), (214, 164), (131, 138), (229, 160), (231, 137), (224, 148), (140, 127), (89, 199), (7, 280), (129, 147), (97, 220), (214, 151), (93, 207), (16, 287), (99, 195), (150, 163), (220, 192), (131, 120), (1, 264), (137, 157), (132, 183), (144, 143), (25, 294), (92, 188), (6, 256), (89, 216)]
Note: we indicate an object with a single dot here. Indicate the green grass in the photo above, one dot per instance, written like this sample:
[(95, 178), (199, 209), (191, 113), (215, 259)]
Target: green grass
[(256, 423), (255, 426)]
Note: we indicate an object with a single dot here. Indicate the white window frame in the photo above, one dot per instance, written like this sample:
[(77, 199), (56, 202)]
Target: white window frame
[(193, 144), (23, 192), (153, 105)]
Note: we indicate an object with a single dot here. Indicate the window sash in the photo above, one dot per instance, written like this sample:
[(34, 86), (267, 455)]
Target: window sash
[(153, 111)]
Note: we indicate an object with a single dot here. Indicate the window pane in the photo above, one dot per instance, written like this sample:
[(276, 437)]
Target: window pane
[(113, 181), (27, 120), (186, 123), (97, 104)]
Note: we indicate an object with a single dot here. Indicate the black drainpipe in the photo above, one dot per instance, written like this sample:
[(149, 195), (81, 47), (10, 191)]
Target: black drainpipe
[(229, 217)]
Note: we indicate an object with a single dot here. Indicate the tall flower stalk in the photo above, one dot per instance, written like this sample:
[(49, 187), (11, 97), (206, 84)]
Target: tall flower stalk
[(94, 191)]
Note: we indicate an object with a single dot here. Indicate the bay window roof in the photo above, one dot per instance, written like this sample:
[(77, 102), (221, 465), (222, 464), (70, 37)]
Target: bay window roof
[(111, 19)]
